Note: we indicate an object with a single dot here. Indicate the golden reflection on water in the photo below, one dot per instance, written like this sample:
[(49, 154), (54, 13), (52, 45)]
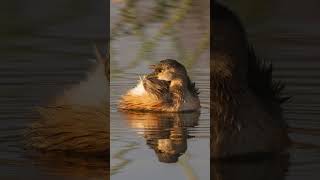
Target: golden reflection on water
[(71, 165), (73, 141), (73, 130), (165, 133), (76, 129)]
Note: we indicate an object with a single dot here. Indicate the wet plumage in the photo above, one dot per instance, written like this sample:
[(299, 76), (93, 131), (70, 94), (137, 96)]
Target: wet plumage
[(78, 120), (168, 89), (246, 112)]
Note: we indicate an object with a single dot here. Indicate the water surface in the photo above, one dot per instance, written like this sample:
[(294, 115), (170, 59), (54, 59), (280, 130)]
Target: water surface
[(45, 47), (159, 145), (288, 36)]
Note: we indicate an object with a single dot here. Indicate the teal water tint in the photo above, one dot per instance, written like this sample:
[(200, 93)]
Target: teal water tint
[(45, 46), (288, 36), (159, 145)]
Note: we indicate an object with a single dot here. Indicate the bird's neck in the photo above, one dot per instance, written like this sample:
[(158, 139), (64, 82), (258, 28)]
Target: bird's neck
[(179, 82), (176, 83), (177, 91), (224, 99)]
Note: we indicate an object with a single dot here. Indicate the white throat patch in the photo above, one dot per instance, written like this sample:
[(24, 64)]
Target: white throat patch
[(139, 89)]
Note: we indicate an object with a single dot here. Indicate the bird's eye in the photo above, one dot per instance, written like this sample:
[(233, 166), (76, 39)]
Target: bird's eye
[(158, 70)]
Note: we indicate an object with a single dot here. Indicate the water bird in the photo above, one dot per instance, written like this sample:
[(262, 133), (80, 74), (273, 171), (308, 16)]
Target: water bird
[(78, 120), (246, 113), (167, 89)]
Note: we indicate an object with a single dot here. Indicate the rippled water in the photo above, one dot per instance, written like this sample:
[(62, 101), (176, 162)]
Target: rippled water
[(297, 65), (290, 40), (44, 48), (160, 145)]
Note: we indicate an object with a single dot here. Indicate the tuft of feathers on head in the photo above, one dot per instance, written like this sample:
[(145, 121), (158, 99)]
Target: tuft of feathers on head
[(103, 59), (192, 86), (261, 82)]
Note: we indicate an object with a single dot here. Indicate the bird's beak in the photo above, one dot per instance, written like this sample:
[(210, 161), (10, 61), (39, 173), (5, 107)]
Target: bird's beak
[(152, 66), (152, 75)]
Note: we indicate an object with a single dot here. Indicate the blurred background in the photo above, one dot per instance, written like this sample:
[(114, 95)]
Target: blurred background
[(146, 31), (287, 33), (155, 146), (45, 46)]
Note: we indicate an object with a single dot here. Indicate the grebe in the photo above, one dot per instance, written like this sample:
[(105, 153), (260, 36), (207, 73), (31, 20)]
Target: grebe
[(246, 113), (167, 89), (165, 133), (77, 121)]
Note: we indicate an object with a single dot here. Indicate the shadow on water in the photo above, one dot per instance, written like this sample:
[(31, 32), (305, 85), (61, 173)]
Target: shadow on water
[(288, 36), (45, 48), (165, 133), (270, 168)]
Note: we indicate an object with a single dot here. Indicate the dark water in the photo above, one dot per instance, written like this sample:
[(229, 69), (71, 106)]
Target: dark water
[(44, 47), (287, 34), (297, 64)]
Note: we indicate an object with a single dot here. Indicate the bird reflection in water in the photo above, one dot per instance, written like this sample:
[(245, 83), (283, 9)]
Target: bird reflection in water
[(165, 133)]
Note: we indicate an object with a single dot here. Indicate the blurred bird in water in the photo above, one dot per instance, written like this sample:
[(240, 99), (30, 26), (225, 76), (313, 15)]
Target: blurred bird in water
[(78, 120), (246, 113)]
